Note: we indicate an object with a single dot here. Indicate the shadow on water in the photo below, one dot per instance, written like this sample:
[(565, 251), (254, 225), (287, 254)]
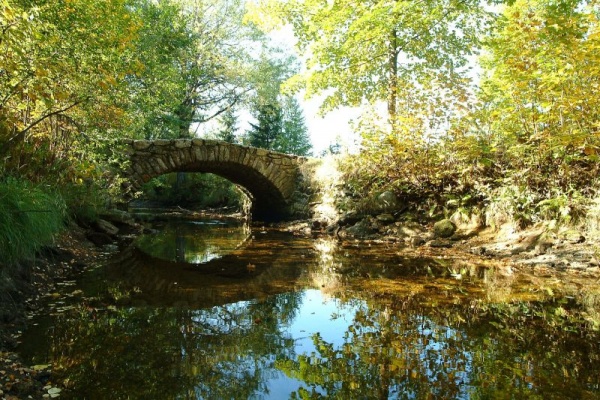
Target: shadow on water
[(276, 316)]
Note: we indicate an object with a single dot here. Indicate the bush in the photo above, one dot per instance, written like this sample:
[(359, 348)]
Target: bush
[(199, 190), (84, 202)]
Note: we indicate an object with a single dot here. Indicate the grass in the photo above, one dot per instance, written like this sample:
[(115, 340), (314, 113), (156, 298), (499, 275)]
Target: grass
[(30, 216)]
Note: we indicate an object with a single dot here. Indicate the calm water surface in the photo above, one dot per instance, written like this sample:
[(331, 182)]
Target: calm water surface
[(209, 310)]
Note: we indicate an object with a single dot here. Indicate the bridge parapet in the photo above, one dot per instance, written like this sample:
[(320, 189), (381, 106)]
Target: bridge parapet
[(274, 180)]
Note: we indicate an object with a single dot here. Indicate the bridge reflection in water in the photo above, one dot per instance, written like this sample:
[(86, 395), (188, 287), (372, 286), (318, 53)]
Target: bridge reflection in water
[(296, 317), (194, 242)]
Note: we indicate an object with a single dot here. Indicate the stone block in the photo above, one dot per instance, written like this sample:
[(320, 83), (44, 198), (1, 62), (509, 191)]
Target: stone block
[(186, 155), (171, 162), (137, 168), (162, 164), (262, 152), (248, 157), (210, 153), (182, 143), (155, 166), (177, 158), (200, 153), (141, 144), (224, 153)]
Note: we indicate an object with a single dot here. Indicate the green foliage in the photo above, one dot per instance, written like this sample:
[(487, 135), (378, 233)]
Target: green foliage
[(30, 216), (374, 51), (228, 126), (84, 201), (428, 176), (197, 63), (538, 106), (62, 60), (268, 127), (294, 138), (198, 190)]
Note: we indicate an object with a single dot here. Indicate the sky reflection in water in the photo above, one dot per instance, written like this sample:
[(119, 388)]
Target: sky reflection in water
[(313, 318)]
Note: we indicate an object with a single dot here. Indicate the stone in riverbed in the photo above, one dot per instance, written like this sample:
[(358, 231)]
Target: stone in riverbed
[(385, 218), (361, 229), (444, 228), (106, 227), (387, 201), (573, 237), (99, 239), (440, 243), (115, 216), (417, 241)]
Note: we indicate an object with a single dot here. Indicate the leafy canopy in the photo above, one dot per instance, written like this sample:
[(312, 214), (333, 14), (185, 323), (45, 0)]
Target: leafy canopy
[(377, 50)]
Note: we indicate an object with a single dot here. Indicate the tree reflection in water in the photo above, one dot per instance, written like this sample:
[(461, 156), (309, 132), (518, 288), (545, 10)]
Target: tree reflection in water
[(222, 352), (411, 351), (318, 320), (385, 348)]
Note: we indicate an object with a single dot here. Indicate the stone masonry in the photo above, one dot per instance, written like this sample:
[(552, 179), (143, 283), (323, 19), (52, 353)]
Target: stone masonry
[(273, 180)]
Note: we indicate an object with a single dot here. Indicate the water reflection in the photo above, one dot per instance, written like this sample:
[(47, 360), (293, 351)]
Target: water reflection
[(194, 242), (287, 317), (305, 345)]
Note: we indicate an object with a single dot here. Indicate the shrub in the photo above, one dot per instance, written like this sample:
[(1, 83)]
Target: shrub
[(200, 190)]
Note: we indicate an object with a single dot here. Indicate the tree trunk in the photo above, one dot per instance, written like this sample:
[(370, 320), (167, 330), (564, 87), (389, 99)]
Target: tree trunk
[(393, 78)]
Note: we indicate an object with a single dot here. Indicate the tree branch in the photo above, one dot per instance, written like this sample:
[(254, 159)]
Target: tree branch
[(21, 134)]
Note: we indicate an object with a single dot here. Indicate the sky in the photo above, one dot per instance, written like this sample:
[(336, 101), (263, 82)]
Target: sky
[(332, 128)]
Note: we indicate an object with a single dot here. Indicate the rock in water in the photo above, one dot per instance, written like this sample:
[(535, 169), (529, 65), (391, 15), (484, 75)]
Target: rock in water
[(444, 228), (387, 201)]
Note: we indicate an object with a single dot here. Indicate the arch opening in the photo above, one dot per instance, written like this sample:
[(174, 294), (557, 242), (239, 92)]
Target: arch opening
[(269, 178)]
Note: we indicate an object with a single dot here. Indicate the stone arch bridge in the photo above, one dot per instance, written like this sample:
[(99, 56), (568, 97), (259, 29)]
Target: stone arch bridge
[(273, 181)]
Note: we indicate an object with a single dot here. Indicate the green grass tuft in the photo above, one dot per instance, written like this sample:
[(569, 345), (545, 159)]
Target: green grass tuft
[(30, 216)]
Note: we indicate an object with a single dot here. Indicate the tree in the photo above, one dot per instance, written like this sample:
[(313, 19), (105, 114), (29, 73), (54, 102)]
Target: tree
[(538, 104), (294, 138), (374, 50), (67, 62), (542, 74), (271, 69), (268, 128), (164, 43), (228, 126), (207, 69)]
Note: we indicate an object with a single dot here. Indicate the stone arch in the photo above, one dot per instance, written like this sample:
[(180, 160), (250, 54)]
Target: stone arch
[(271, 178)]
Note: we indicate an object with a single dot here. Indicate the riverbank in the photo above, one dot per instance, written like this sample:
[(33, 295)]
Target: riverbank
[(72, 254), (564, 250)]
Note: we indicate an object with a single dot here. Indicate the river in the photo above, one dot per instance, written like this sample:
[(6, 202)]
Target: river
[(214, 310)]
